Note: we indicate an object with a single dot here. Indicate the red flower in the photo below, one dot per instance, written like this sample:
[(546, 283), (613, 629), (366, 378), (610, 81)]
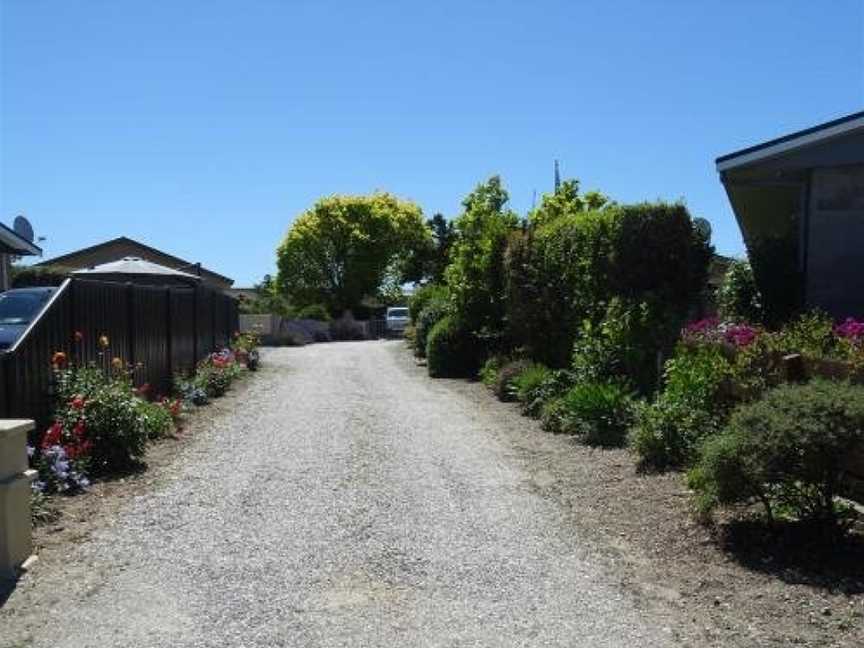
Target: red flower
[(59, 359), (144, 389), (53, 435), (79, 429), (78, 403)]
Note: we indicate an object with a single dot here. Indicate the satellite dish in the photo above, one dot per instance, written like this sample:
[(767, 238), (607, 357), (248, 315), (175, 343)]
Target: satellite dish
[(23, 228), (703, 227)]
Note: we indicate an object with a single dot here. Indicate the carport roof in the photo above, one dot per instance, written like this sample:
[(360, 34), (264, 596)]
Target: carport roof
[(781, 145)]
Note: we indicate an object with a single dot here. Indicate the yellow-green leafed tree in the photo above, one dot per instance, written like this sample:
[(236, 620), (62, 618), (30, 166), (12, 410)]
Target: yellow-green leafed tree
[(344, 247)]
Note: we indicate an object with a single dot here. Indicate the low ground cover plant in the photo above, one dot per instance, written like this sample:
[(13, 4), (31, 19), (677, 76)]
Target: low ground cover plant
[(599, 413)]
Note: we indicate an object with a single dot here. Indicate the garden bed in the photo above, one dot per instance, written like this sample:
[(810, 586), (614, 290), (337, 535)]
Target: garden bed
[(732, 584)]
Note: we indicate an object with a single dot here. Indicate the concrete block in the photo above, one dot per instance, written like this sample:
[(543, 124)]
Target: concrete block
[(16, 539), (13, 446)]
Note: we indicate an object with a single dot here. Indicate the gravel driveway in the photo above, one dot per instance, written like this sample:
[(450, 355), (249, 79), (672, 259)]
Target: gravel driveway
[(347, 501)]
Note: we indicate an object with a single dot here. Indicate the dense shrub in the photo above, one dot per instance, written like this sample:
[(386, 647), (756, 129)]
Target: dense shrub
[(623, 347), (554, 384), (693, 405), (317, 312), (599, 413), (738, 298), (452, 350), (475, 275), (784, 451), (423, 296), (434, 311), (569, 270)]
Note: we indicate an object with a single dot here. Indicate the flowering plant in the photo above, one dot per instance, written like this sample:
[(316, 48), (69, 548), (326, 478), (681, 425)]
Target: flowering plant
[(712, 330)]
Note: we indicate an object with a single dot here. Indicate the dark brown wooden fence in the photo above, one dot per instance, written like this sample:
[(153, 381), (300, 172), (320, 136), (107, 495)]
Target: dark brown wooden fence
[(160, 331)]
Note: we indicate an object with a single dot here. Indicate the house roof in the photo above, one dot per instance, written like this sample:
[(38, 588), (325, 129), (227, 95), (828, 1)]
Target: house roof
[(13, 243), (135, 266), (800, 139), (170, 258)]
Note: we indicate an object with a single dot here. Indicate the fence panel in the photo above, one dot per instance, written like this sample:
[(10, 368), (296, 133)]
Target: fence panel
[(150, 336), (182, 321), (162, 328)]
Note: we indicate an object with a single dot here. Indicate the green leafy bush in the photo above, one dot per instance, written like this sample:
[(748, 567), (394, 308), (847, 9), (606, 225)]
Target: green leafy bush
[(423, 296), (115, 428), (156, 419), (623, 347), (317, 312), (599, 413), (475, 275), (738, 297), (433, 312), (784, 451), (451, 350), (693, 405), (569, 270)]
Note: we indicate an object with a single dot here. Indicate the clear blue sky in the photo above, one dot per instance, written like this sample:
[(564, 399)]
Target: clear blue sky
[(204, 127)]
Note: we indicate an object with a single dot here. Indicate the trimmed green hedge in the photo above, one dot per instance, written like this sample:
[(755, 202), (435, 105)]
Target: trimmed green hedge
[(451, 350)]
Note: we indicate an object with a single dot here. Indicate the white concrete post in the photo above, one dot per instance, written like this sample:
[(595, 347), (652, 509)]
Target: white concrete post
[(16, 541)]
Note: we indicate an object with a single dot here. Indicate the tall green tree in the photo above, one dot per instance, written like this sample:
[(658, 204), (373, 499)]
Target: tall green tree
[(475, 274), (443, 237), (344, 248)]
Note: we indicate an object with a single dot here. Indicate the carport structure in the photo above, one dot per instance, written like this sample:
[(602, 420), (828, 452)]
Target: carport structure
[(799, 201)]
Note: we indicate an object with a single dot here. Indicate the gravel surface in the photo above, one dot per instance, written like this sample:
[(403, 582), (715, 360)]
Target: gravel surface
[(347, 501)]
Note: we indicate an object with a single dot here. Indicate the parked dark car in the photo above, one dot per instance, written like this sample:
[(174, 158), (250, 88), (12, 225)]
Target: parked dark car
[(18, 308)]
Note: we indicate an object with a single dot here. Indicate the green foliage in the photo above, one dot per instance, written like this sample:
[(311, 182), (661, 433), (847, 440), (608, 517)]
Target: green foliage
[(342, 249), (693, 405), (785, 451), (738, 298), (504, 384), (443, 238), (314, 312), (156, 419), (475, 274), (115, 427), (566, 200), (599, 413), (553, 386), (528, 385), (452, 350), (28, 276), (434, 310), (567, 271), (267, 300), (489, 371), (623, 347), (423, 296)]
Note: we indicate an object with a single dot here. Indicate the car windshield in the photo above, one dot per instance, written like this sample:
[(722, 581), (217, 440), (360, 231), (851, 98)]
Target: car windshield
[(398, 312), (19, 308)]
